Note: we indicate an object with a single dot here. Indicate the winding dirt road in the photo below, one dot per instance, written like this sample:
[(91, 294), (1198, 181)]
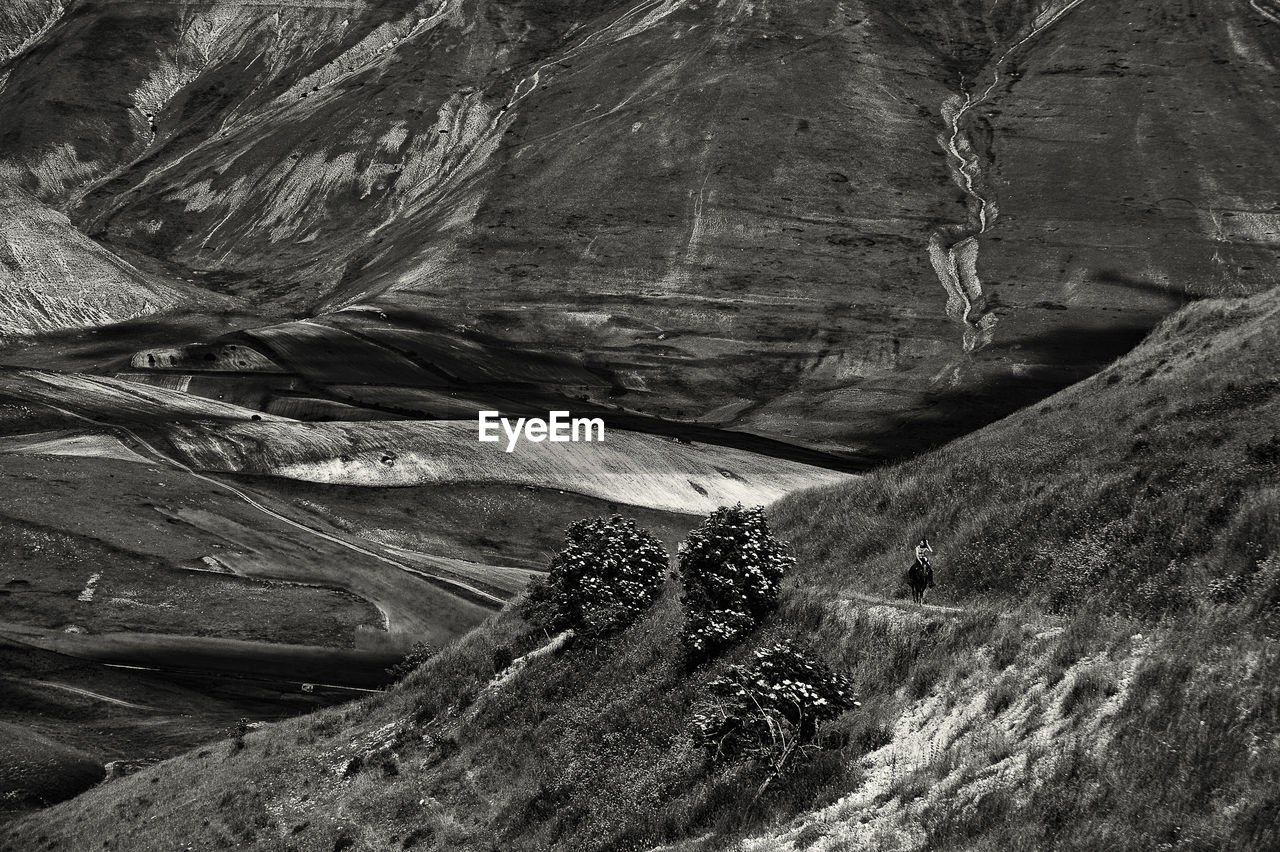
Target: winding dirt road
[(165, 459), (96, 696), (1269, 9)]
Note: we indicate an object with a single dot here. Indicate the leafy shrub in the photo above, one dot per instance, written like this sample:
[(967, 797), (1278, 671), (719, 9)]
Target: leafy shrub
[(238, 732), (608, 573), (731, 567), (418, 654), (771, 709)]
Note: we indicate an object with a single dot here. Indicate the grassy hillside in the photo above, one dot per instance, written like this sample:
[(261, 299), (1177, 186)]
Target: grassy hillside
[(1105, 679), (1145, 489), (36, 766)]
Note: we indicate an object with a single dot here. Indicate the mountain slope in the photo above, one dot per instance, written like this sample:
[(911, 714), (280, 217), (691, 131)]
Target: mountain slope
[(995, 725), (258, 262), (728, 205), (1138, 489)]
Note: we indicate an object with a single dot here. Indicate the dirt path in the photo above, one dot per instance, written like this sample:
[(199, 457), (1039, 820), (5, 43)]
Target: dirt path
[(1044, 621), (96, 696), (271, 513), (907, 605)]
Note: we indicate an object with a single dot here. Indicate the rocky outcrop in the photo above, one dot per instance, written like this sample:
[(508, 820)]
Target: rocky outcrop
[(54, 277)]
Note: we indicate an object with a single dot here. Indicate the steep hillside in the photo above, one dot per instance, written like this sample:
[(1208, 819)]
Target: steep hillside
[(262, 261), (811, 220), (1047, 708), (1140, 490)]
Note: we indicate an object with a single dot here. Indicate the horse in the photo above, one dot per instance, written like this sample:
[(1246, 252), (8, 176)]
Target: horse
[(920, 579)]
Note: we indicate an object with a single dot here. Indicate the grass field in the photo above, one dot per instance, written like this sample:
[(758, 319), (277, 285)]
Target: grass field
[(155, 540), (627, 467), (62, 580), (98, 714), (493, 524), (1018, 720), (37, 770), (216, 611)]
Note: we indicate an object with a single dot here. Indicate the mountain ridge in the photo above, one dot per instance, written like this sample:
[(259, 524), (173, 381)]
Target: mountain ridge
[(647, 226)]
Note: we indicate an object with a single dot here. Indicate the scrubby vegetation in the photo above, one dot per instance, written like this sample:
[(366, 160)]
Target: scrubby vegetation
[(1094, 689), (606, 575), (1189, 759), (731, 567), (1146, 490), (238, 733), (771, 709), (417, 656)]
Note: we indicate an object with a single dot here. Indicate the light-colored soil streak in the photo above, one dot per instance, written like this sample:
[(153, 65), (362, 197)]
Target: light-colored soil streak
[(86, 693), (953, 249), (956, 745), (467, 588), (1269, 9)]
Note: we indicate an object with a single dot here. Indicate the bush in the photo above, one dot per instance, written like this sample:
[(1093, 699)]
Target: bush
[(417, 656), (608, 573), (771, 709), (731, 567), (238, 733)]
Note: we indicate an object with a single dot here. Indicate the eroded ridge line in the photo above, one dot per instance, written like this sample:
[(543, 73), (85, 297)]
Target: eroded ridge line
[(953, 249)]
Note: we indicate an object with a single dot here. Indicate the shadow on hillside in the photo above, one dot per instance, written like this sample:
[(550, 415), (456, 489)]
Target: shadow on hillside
[(1051, 362), (1178, 296), (109, 347)]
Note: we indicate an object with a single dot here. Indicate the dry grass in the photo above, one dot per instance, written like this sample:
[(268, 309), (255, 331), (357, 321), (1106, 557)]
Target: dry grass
[(1190, 761), (1142, 496), (1143, 718)]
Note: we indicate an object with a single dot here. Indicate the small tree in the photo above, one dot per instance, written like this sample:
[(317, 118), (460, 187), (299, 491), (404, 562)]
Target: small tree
[(238, 733), (731, 567), (608, 573), (771, 709), (417, 656)]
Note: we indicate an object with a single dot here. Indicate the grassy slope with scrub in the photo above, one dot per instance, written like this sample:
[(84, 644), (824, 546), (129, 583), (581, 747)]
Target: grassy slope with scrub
[(1109, 680), (1142, 490)]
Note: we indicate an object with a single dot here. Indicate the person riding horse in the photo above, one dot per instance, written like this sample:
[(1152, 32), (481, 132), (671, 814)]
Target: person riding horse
[(920, 574)]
